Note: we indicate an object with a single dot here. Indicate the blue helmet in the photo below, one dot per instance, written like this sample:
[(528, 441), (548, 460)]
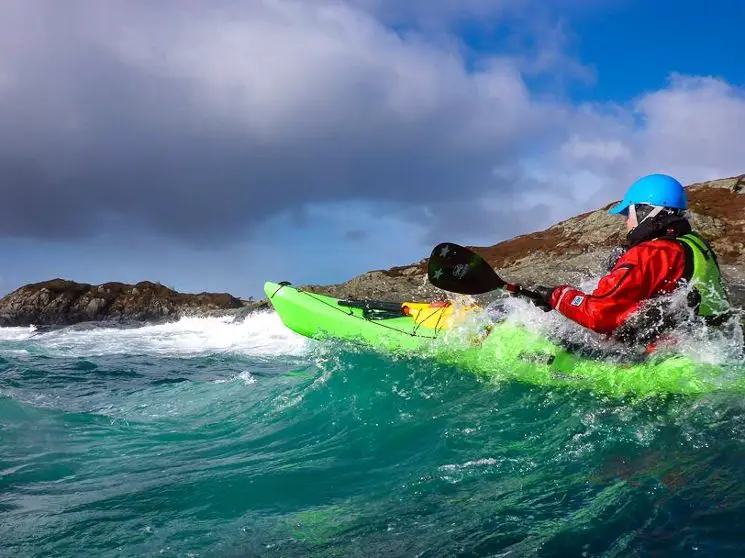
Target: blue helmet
[(653, 189)]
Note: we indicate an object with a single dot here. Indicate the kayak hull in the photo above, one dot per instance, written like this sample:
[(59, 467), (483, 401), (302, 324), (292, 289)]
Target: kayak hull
[(498, 351)]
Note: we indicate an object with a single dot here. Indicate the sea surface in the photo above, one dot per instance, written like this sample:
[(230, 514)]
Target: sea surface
[(214, 437)]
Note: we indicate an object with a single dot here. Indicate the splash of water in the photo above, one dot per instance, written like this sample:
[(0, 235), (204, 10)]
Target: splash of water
[(703, 343)]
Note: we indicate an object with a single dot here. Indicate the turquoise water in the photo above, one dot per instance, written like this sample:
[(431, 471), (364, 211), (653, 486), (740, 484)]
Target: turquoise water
[(213, 438)]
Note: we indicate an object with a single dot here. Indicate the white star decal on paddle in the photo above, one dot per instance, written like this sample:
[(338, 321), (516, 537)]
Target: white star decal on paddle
[(444, 251), (437, 274)]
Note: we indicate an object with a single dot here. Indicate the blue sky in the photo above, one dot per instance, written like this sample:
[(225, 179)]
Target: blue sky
[(635, 46), (212, 146)]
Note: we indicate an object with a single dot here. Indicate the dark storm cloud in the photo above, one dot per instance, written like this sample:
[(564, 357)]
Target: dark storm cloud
[(200, 122)]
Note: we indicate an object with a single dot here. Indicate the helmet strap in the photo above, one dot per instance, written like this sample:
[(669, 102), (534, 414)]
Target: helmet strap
[(632, 215), (656, 210)]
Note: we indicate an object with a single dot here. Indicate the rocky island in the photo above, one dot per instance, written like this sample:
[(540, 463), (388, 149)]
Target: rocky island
[(567, 252), (62, 302)]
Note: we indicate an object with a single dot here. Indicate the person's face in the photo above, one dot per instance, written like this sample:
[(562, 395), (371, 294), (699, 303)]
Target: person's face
[(631, 221)]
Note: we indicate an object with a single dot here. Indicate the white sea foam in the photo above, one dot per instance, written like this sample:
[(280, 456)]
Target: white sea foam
[(16, 333), (259, 334)]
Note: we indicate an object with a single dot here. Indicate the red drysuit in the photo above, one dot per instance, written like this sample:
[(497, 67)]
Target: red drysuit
[(646, 270)]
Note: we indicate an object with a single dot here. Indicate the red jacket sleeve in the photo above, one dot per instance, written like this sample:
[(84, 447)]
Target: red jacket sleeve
[(644, 271)]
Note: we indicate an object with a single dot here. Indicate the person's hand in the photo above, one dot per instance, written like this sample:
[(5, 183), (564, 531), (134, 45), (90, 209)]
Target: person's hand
[(542, 297)]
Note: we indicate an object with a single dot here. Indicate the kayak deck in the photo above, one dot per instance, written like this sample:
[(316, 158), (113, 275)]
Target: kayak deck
[(318, 316)]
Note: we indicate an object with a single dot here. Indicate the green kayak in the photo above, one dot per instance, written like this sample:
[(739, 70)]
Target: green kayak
[(500, 350)]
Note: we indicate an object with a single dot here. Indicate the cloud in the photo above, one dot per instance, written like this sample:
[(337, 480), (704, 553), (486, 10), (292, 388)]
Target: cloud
[(694, 124), (200, 121), (689, 129)]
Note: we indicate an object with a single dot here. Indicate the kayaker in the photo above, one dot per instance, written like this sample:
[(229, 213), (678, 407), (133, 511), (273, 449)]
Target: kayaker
[(662, 254)]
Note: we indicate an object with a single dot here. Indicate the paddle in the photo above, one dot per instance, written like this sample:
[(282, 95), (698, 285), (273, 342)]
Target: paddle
[(457, 269)]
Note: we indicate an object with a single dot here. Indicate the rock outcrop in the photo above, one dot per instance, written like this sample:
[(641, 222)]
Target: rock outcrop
[(62, 302), (577, 249)]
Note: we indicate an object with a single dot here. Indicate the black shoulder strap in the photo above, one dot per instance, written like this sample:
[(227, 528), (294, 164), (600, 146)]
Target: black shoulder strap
[(688, 259)]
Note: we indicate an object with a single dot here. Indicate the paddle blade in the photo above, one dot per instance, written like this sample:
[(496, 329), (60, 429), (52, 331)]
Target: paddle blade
[(457, 269)]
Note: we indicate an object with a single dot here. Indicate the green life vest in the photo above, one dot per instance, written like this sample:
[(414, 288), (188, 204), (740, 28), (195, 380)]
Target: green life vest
[(702, 270)]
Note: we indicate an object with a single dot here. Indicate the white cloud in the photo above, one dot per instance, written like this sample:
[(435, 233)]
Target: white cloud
[(689, 129), (608, 150), (694, 124)]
